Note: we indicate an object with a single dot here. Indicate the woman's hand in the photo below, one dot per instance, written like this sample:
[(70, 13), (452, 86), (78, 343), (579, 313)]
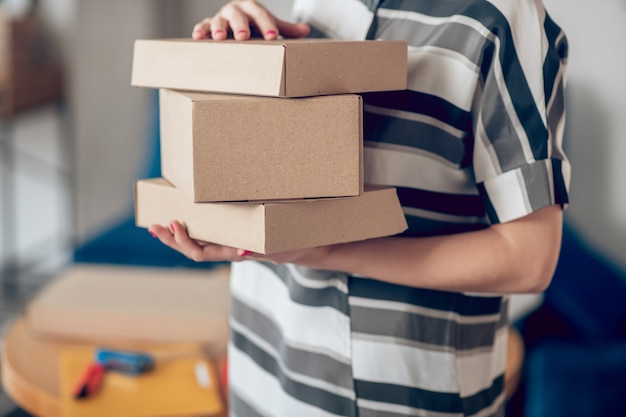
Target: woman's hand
[(200, 251), (244, 17), (178, 239)]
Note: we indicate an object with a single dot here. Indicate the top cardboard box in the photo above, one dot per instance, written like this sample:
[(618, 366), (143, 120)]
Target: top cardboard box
[(282, 68)]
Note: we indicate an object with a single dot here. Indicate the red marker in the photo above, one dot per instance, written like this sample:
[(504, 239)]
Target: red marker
[(89, 381)]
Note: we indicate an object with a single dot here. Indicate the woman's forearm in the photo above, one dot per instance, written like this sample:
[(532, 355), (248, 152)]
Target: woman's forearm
[(515, 257)]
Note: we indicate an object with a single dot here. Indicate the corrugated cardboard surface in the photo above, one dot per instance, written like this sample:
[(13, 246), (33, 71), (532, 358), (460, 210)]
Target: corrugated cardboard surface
[(271, 227), (110, 303), (218, 147), (285, 68)]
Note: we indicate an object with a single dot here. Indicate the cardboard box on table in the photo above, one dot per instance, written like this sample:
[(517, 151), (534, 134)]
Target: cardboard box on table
[(220, 147), (282, 68), (269, 227), (132, 304)]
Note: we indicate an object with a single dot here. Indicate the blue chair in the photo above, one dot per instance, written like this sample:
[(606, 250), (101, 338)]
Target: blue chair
[(576, 340), (576, 380)]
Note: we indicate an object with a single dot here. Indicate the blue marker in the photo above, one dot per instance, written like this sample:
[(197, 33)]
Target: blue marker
[(124, 361)]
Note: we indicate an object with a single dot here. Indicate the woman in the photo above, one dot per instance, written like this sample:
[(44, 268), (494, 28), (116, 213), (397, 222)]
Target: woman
[(411, 325)]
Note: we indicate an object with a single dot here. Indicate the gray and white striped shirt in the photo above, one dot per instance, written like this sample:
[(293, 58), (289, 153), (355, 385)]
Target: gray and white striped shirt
[(474, 140)]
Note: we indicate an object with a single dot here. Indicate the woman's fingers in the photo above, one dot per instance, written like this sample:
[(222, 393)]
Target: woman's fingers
[(219, 28), (185, 244), (242, 18), (237, 19), (202, 29), (164, 235), (261, 18), (292, 30), (211, 28), (177, 238)]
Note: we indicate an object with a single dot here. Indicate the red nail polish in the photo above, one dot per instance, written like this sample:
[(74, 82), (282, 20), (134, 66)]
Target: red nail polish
[(152, 233), (172, 227), (218, 32), (240, 31), (245, 253), (270, 33)]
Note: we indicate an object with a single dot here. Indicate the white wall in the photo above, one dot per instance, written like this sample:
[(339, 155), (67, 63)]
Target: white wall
[(110, 116), (596, 132)]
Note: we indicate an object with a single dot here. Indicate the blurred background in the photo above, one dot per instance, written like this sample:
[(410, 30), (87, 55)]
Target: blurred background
[(107, 125), (68, 166)]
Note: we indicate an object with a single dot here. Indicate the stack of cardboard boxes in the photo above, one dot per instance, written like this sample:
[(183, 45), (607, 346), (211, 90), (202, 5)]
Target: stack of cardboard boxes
[(262, 143)]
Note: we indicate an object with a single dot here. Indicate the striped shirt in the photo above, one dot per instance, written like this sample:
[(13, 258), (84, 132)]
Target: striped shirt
[(475, 140)]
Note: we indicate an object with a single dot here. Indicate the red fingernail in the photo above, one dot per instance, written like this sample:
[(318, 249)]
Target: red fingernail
[(218, 32), (245, 253), (152, 233), (270, 32), (241, 31), (172, 227)]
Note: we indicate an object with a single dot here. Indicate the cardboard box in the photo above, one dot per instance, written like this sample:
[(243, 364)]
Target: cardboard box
[(105, 304), (269, 227), (284, 68), (224, 147)]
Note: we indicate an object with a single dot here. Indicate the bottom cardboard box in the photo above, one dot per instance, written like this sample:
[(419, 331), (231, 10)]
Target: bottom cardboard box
[(270, 227)]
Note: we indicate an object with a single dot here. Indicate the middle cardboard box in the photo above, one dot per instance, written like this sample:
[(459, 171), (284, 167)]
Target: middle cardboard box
[(221, 147)]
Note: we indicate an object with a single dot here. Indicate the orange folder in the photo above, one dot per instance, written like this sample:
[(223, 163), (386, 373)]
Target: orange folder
[(171, 389)]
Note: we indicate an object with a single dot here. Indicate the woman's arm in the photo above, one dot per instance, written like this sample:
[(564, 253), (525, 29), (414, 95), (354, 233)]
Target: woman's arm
[(515, 257)]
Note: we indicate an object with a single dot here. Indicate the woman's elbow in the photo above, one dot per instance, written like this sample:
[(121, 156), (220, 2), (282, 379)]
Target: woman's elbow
[(538, 246), (540, 281)]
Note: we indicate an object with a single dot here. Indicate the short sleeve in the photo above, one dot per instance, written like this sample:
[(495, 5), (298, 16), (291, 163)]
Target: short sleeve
[(518, 118)]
